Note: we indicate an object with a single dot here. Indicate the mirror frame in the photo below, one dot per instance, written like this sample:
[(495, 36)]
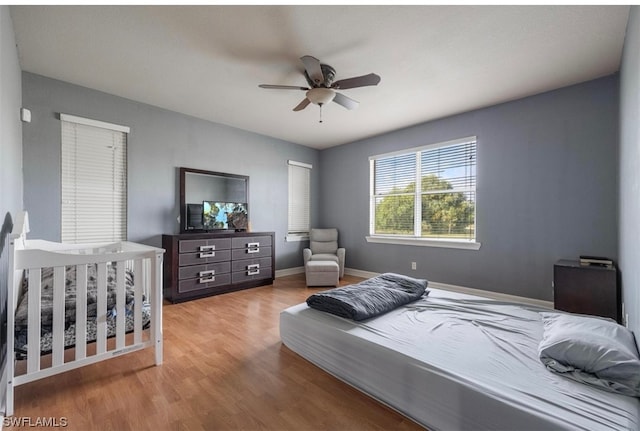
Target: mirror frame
[(183, 204)]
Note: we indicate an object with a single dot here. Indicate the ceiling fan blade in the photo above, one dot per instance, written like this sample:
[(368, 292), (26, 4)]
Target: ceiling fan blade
[(282, 87), (345, 101), (302, 105), (358, 81), (312, 66)]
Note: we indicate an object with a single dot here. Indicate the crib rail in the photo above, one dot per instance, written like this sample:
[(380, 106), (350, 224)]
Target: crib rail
[(93, 264), (59, 353)]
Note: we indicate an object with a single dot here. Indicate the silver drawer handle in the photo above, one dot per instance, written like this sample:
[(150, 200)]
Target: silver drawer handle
[(253, 247), (207, 276), (253, 269), (207, 248)]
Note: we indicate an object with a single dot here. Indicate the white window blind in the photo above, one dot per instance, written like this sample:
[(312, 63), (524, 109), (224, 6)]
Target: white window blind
[(427, 192), (299, 198), (94, 180)]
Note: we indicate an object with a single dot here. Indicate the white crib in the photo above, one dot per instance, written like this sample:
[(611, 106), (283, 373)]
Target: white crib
[(114, 330)]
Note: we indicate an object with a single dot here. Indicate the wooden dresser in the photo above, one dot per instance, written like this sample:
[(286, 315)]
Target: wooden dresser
[(204, 264)]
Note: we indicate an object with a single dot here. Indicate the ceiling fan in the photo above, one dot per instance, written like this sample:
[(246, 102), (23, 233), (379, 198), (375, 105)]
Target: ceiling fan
[(322, 88)]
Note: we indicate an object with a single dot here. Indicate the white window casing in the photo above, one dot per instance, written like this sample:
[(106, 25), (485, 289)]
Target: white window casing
[(425, 196)]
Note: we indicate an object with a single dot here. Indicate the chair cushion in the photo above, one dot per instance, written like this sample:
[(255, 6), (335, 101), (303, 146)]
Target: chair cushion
[(324, 257)]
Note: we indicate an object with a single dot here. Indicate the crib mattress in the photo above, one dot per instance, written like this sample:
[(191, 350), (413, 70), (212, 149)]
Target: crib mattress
[(456, 362)]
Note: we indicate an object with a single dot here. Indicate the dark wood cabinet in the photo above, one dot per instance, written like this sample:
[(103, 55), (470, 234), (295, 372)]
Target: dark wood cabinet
[(204, 264), (586, 289)]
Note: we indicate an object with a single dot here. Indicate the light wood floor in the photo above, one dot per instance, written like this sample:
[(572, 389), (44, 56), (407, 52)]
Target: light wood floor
[(224, 369)]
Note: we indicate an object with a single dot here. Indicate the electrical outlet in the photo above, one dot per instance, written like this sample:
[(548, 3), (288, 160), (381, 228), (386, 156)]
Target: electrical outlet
[(413, 266)]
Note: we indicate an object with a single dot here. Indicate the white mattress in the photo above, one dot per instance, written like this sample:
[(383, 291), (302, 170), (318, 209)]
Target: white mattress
[(456, 362)]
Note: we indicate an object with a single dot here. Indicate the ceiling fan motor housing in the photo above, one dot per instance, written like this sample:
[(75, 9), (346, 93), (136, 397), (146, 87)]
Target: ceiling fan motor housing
[(328, 72)]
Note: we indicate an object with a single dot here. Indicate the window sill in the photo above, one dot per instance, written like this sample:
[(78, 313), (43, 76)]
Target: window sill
[(296, 238), (422, 242)]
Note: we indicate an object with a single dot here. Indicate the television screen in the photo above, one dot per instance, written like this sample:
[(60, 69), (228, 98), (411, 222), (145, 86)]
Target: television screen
[(224, 215)]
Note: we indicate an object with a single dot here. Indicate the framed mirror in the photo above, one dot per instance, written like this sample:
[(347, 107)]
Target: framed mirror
[(213, 201)]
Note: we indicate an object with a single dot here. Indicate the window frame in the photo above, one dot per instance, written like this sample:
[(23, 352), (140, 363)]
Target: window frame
[(415, 239)]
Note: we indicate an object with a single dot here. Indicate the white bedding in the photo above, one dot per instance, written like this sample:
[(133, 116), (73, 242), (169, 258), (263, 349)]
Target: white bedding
[(456, 362)]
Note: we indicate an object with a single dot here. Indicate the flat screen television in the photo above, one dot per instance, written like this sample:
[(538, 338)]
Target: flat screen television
[(224, 215)]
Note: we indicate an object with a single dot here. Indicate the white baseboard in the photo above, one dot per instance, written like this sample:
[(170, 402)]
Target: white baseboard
[(289, 271), (360, 273), (348, 271)]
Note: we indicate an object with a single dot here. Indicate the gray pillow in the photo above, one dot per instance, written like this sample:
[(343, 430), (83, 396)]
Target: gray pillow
[(591, 350)]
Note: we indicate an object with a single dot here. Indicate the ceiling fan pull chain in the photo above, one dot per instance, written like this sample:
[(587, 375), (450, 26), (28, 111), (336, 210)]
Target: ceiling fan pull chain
[(320, 113)]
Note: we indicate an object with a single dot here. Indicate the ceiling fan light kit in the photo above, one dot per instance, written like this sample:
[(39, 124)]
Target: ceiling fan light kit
[(322, 88), (320, 96)]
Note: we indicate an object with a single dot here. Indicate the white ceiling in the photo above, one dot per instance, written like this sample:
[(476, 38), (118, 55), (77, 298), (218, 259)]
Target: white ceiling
[(207, 61)]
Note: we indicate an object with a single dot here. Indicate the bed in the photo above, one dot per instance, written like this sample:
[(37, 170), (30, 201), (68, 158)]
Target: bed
[(74, 305), (452, 361)]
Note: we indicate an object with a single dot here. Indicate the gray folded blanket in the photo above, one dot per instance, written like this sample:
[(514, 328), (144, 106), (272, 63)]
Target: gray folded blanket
[(369, 298)]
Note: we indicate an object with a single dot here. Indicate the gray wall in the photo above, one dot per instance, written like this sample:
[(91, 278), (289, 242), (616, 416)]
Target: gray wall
[(10, 158), (547, 180), (630, 170), (547, 189), (160, 141)]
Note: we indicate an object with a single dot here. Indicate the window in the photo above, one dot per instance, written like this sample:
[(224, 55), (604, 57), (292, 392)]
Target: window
[(299, 201), (425, 196), (94, 180)]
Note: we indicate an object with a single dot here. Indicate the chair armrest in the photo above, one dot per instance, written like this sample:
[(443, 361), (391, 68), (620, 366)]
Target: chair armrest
[(306, 255)]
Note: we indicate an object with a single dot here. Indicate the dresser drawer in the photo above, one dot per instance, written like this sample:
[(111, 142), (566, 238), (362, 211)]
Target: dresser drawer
[(194, 284), (203, 271), (204, 245), (246, 264), (251, 242), (250, 253), (248, 275), (201, 258)]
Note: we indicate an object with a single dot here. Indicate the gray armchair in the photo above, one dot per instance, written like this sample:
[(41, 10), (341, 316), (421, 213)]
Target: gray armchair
[(323, 246)]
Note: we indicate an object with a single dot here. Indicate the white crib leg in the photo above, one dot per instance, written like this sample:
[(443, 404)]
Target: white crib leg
[(9, 400), (8, 378), (156, 301)]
